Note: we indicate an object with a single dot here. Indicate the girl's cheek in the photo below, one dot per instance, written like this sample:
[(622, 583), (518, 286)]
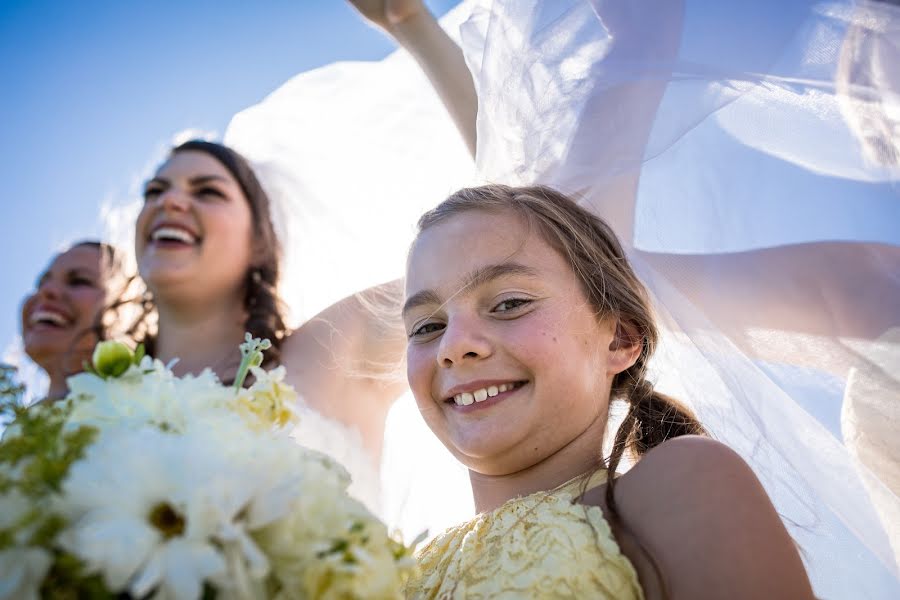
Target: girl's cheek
[(417, 371)]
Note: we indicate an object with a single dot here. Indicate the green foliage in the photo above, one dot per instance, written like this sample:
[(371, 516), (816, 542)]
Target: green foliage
[(36, 452)]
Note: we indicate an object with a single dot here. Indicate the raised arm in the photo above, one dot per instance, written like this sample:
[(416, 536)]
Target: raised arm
[(411, 24), (346, 361), (808, 293)]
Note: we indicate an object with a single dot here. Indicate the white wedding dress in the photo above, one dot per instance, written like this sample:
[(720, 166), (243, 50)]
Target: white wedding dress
[(351, 154), (748, 155)]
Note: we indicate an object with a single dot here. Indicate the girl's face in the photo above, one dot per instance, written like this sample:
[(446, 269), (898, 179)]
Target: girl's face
[(70, 295), (195, 229), (506, 358)]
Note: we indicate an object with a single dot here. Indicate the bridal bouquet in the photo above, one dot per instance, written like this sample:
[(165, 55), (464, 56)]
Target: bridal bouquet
[(143, 484)]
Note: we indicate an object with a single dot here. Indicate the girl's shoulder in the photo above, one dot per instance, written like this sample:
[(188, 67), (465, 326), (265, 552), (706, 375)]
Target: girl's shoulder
[(693, 509)]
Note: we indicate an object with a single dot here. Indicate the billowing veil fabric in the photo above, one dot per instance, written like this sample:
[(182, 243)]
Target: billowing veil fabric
[(351, 155), (748, 155)]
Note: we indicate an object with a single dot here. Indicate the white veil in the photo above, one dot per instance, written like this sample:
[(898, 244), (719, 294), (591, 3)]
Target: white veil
[(747, 155), (351, 155)]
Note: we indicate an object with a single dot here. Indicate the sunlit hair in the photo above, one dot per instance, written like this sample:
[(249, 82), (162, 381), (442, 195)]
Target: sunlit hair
[(613, 290), (264, 307)]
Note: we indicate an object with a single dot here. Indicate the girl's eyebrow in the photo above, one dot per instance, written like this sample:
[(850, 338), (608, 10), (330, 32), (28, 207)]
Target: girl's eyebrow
[(477, 277)]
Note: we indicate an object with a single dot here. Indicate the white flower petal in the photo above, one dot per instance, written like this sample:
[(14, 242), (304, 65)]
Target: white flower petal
[(21, 572), (112, 545), (180, 567)]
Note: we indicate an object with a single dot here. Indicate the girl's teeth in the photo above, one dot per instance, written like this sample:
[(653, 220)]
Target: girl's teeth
[(467, 398)]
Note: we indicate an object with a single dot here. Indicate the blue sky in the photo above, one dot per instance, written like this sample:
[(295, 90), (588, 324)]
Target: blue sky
[(91, 89)]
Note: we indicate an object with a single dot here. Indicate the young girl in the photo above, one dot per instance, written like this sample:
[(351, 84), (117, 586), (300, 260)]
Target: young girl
[(525, 321)]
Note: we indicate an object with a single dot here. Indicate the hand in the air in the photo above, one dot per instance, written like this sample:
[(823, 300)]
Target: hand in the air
[(387, 14)]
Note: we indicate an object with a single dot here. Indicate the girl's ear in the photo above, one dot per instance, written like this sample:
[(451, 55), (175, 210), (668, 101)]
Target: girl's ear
[(624, 349)]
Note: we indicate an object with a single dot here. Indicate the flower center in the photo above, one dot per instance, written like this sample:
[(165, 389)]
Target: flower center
[(166, 520)]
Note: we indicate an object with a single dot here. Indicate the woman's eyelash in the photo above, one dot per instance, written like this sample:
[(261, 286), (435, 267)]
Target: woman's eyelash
[(208, 191), (150, 193)]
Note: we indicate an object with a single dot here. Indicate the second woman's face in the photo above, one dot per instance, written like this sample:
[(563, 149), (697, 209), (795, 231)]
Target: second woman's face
[(57, 318), (194, 233), (506, 358)]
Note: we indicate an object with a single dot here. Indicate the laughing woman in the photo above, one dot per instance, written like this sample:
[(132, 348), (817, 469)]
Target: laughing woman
[(75, 304)]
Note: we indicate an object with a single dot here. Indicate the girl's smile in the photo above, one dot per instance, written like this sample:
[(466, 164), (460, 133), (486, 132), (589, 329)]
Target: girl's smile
[(506, 358)]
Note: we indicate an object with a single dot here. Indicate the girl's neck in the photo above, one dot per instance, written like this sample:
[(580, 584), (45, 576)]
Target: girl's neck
[(578, 457), (201, 335)]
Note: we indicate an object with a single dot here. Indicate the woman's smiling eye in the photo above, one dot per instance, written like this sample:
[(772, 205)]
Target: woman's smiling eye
[(80, 281), (510, 304), (210, 192), (152, 193), (426, 329)]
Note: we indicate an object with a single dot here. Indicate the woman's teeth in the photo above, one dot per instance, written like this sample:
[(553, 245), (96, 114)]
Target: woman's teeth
[(170, 234), (467, 398), (48, 317)]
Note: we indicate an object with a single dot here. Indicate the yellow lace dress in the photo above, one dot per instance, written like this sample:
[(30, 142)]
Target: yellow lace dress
[(544, 545)]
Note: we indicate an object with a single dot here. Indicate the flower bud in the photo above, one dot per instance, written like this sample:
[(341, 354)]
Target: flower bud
[(111, 358)]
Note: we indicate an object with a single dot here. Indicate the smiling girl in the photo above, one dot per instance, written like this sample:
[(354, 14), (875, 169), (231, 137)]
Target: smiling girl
[(525, 321)]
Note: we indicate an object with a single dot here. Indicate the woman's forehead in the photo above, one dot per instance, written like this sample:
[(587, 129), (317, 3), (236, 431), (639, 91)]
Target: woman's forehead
[(84, 256), (192, 163)]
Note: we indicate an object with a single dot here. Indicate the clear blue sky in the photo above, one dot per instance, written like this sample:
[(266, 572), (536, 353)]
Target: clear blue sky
[(90, 89)]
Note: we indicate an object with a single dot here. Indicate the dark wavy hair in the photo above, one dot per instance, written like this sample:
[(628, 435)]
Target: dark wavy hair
[(264, 307)]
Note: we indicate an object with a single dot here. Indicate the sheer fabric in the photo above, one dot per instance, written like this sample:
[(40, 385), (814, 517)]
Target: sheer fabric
[(351, 155), (747, 155)]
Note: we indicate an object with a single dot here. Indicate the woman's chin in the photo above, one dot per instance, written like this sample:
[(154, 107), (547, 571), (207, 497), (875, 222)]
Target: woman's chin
[(162, 275)]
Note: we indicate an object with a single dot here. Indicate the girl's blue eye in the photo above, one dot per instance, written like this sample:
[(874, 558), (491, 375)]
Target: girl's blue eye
[(511, 304), (426, 329)]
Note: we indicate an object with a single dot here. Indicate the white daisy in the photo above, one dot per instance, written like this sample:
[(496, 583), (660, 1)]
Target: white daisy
[(139, 515)]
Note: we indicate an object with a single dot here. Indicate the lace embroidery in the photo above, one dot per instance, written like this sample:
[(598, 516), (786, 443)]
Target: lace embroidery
[(540, 546)]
